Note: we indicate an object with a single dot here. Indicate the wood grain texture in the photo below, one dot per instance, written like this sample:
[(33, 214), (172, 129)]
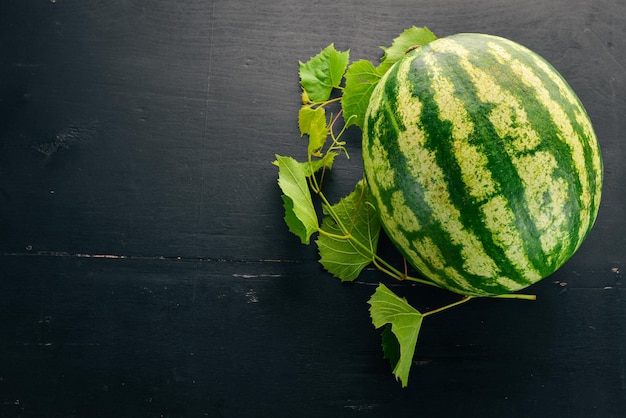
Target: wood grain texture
[(145, 268), (136, 337)]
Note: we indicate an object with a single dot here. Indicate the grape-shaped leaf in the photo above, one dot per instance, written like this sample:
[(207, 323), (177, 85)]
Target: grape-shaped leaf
[(312, 122), (387, 308), (300, 214), (318, 163), (308, 116), (361, 78), (342, 256), (391, 347), (410, 37), (323, 72)]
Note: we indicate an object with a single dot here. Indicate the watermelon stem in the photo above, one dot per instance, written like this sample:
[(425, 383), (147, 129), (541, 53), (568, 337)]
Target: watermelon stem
[(422, 281), (451, 305), (412, 48), (339, 145), (335, 236), (516, 296), (388, 269), (324, 103)]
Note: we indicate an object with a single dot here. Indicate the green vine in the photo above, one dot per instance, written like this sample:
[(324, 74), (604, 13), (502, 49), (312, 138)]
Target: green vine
[(347, 237)]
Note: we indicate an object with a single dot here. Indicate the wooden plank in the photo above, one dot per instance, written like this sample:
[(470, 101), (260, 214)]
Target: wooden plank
[(136, 137), (101, 337)]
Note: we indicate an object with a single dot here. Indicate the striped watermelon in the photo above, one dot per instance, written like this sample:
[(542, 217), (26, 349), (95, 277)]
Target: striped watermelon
[(484, 165)]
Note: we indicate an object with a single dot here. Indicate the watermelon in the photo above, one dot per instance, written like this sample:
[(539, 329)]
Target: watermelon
[(483, 163)]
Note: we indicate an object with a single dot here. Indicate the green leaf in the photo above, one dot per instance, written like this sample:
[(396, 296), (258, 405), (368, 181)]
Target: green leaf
[(318, 163), (387, 308), (338, 64), (300, 214), (361, 78), (346, 257), (307, 116), (391, 346), (323, 72), (312, 122), (410, 37)]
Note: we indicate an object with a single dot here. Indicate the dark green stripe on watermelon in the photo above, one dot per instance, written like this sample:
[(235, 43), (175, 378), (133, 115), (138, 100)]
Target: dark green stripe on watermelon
[(484, 137)]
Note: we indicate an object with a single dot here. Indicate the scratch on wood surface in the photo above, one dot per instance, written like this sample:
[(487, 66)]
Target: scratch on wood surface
[(253, 276), (66, 138), (252, 296), (44, 253), (77, 255), (361, 407)]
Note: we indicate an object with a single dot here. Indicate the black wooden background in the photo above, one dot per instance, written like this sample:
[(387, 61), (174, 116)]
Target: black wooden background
[(145, 269)]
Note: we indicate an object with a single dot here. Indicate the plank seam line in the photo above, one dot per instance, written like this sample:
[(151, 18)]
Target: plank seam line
[(147, 257)]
